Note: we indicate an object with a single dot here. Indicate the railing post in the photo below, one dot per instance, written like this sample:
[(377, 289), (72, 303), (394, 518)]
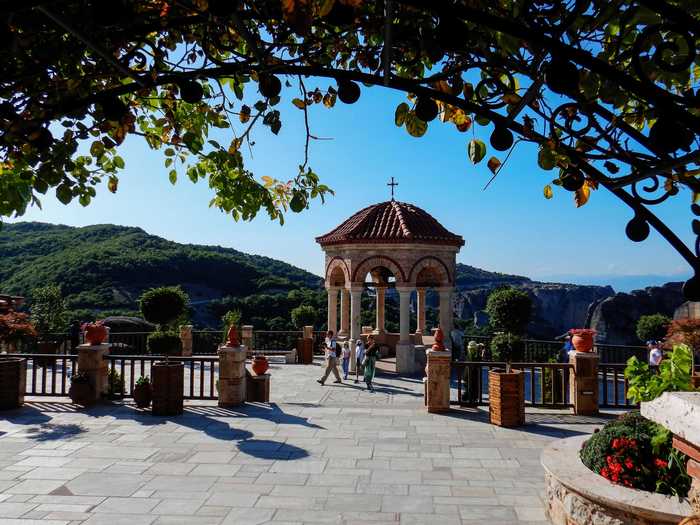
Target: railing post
[(247, 337), (232, 374), (437, 382), (186, 339), (91, 361), (584, 383), (306, 350)]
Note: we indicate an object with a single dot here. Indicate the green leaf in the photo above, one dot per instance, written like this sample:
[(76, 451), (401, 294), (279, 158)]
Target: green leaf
[(172, 176), (97, 149), (476, 150), (118, 162), (415, 126), (64, 193), (546, 159), (401, 114)]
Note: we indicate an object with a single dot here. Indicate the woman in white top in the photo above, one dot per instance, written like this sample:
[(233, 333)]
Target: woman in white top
[(359, 357), (346, 359)]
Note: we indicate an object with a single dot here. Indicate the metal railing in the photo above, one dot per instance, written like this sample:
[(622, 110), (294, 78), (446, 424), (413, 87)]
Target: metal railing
[(612, 386), (201, 374), (319, 342), (275, 340), (48, 374), (546, 384)]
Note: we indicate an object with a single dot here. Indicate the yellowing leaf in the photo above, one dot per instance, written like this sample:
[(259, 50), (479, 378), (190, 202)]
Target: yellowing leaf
[(299, 103), (329, 100), (476, 149), (235, 146), (415, 126), (268, 181), (494, 164), (401, 114), (112, 184), (581, 195), (548, 193), (326, 6)]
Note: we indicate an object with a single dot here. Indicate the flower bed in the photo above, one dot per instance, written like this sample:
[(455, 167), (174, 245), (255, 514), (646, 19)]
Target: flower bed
[(637, 453)]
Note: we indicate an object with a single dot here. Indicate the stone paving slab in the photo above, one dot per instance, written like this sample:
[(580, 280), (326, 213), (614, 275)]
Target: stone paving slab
[(335, 454)]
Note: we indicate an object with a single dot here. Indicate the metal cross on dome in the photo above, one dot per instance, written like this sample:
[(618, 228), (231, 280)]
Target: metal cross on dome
[(392, 184)]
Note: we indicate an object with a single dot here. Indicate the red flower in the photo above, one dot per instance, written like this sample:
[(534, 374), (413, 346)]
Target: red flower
[(660, 463), (605, 473), (628, 463), (615, 443)]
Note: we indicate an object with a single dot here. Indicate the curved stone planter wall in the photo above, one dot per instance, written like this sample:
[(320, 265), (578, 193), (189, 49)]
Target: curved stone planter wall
[(576, 495)]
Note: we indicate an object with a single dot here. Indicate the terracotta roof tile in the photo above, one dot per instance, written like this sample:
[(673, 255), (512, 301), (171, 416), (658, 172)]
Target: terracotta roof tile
[(391, 222)]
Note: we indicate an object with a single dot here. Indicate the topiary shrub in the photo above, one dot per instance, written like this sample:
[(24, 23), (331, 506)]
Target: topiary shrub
[(637, 453), (507, 347), (164, 305), (304, 315), (164, 343), (509, 310), (652, 327)]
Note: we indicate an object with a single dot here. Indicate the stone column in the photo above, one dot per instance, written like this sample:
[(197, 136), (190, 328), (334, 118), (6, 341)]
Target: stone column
[(405, 351), (584, 383), (437, 380), (379, 325), (420, 310), (344, 312), (333, 309), (186, 339), (355, 310), (91, 360), (232, 377), (446, 314), (247, 337)]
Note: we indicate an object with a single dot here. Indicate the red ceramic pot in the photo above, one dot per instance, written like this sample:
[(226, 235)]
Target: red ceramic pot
[(582, 342), (260, 365), (95, 334)]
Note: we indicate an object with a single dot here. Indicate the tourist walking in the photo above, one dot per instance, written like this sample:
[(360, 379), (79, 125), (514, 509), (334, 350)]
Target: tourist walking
[(359, 357), (346, 359), (331, 359), (655, 353), (369, 362)]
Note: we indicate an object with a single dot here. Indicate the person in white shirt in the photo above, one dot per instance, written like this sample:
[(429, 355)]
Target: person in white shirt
[(331, 359), (655, 353), (359, 357), (346, 359)]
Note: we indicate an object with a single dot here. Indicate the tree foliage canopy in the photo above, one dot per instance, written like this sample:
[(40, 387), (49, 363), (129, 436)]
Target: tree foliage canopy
[(652, 327), (509, 310), (164, 305), (607, 91)]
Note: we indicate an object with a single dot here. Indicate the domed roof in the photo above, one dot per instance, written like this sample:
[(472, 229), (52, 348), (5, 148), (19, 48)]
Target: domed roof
[(391, 222)]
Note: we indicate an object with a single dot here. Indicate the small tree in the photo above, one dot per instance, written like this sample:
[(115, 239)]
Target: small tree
[(48, 309), (509, 310), (304, 315), (507, 347), (163, 306), (652, 327)]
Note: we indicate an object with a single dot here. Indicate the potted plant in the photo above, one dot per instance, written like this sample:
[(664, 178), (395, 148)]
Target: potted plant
[(509, 310), (95, 333), (48, 314), (142, 392), (165, 307), (81, 391), (15, 326), (13, 381), (260, 364), (471, 375), (582, 339), (115, 384)]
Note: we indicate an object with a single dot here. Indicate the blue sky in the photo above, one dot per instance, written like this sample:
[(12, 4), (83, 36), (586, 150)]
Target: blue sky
[(510, 227)]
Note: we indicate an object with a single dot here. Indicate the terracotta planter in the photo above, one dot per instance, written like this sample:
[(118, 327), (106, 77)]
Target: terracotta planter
[(142, 395), (168, 384), (506, 398), (82, 394), (95, 334), (695, 380), (583, 343), (46, 347), (13, 381), (260, 365)]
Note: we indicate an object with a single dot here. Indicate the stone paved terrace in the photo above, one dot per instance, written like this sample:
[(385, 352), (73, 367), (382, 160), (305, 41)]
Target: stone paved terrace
[(333, 454)]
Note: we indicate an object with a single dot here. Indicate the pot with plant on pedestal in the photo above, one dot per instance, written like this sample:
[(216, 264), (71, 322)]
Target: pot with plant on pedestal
[(81, 391), (509, 310), (142, 392), (165, 307), (582, 339)]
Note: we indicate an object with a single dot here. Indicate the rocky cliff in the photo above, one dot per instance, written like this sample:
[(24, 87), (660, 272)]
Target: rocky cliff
[(558, 307), (615, 317)]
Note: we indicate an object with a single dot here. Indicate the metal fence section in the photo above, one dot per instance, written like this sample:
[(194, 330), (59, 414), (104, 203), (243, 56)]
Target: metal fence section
[(275, 340), (206, 342), (48, 374)]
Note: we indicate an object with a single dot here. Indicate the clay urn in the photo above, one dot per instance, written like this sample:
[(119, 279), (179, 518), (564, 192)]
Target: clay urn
[(260, 365), (232, 337), (582, 339), (95, 333)]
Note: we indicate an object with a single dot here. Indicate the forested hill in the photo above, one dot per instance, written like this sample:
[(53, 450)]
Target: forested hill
[(469, 277), (106, 267)]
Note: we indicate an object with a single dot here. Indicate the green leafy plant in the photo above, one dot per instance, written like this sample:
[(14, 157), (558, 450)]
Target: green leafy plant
[(304, 315), (652, 327), (143, 381), (637, 453), (48, 309), (230, 318), (509, 310), (507, 347), (80, 378), (115, 382), (673, 375), (164, 305), (164, 343)]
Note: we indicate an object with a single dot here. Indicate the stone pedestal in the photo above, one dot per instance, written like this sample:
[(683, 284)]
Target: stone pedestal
[(232, 376), (186, 340), (91, 360), (679, 412), (258, 388), (405, 358), (584, 383), (247, 337), (437, 382)]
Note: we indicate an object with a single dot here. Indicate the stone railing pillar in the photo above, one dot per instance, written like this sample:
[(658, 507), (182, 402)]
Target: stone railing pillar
[(584, 383), (91, 361), (437, 381), (308, 332), (247, 337), (186, 340), (232, 375)]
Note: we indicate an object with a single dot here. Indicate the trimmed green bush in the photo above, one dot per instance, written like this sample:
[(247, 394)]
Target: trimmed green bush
[(507, 347), (509, 310), (652, 327), (164, 305), (164, 343), (304, 315)]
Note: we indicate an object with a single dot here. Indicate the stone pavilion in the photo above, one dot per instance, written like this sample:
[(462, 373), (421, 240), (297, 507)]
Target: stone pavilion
[(390, 244)]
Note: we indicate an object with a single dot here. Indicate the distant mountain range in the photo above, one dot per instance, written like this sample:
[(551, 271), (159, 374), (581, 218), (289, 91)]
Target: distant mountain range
[(621, 283)]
